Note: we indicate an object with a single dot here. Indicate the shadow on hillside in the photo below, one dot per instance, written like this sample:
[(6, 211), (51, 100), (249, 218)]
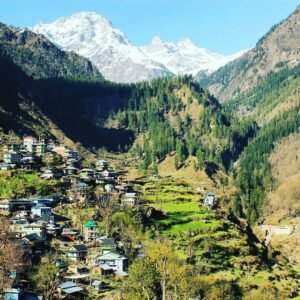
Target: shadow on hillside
[(80, 107)]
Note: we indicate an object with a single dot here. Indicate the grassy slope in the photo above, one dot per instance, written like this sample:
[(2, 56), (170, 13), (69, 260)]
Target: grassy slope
[(216, 244)]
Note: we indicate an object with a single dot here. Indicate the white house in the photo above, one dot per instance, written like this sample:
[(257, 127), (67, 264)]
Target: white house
[(21, 230), (11, 157), (109, 174), (28, 141), (108, 188), (209, 199), (70, 154), (129, 199), (50, 174), (5, 205), (114, 260), (77, 253)]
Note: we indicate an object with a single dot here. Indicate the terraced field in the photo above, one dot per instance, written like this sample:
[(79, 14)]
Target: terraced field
[(220, 247)]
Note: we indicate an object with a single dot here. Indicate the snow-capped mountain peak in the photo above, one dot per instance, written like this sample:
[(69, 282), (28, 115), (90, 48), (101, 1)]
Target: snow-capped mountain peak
[(185, 42), (184, 57), (82, 27), (156, 40), (94, 37)]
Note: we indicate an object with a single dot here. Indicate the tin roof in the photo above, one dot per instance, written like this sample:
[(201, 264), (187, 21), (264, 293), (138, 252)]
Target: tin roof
[(90, 224)]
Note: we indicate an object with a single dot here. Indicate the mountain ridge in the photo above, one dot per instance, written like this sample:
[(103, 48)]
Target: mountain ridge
[(39, 58), (93, 36), (278, 48)]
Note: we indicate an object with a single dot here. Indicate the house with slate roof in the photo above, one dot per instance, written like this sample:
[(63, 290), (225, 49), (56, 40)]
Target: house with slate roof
[(77, 253), (129, 199), (107, 245), (70, 290), (209, 199), (101, 165)]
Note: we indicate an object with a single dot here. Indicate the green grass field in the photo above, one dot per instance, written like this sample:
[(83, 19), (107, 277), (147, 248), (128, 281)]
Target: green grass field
[(174, 207)]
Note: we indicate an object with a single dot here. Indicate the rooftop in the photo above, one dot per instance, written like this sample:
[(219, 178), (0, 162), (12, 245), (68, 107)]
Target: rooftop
[(79, 248), (90, 224), (111, 255)]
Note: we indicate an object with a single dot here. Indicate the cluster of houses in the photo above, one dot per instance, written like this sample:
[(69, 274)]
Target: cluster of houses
[(24, 155), (82, 251), (35, 226)]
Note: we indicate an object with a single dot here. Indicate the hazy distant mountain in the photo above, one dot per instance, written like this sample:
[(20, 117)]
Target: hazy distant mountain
[(94, 37), (184, 57)]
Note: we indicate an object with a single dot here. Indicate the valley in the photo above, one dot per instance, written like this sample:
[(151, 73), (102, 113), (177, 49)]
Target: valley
[(178, 179)]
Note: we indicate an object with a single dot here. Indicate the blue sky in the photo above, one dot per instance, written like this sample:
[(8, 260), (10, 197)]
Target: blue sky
[(223, 26)]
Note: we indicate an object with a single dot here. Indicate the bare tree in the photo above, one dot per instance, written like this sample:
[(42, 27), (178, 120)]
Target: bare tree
[(108, 206), (10, 257)]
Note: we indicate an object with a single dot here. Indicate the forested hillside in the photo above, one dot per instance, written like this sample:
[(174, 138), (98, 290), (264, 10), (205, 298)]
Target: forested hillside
[(44, 89), (278, 48), (39, 58), (277, 92), (262, 86), (176, 114), (171, 114), (254, 173)]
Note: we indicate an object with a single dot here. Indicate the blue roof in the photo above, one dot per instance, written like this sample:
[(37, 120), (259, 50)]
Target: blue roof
[(82, 184), (36, 199)]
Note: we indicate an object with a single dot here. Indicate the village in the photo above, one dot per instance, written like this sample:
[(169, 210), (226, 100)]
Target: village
[(87, 255)]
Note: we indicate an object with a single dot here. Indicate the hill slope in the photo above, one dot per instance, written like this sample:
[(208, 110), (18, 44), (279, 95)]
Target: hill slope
[(284, 199), (42, 86), (274, 94), (278, 48), (39, 58), (176, 114)]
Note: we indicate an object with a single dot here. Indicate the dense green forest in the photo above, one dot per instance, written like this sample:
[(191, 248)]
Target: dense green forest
[(272, 90), (254, 173), (185, 124)]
